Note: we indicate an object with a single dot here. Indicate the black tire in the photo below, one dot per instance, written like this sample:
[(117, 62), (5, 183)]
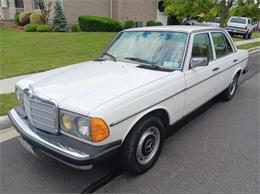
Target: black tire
[(249, 35), (229, 93), (245, 36), (136, 143)]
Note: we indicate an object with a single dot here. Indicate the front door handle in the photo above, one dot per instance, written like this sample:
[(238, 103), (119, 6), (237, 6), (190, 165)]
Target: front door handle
[(215, 69), (235, 60)]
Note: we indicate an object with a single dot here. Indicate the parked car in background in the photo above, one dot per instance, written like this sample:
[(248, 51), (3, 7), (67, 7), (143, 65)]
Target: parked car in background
[(240, 26), (125, 101), (215, 22)]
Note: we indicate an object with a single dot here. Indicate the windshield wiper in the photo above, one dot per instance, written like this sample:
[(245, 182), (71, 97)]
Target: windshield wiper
[(143, 61), (110, 55)]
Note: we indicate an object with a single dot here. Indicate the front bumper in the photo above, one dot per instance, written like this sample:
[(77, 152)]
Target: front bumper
[(236, 30), (61, 147)]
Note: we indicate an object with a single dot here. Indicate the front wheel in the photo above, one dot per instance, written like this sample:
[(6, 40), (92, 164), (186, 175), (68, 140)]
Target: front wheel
[(229, 93), (143, 145)]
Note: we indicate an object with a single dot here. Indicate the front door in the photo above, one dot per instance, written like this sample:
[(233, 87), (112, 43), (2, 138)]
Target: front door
[(200, 81)]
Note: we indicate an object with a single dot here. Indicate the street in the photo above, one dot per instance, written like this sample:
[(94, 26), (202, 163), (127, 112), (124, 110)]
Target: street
[(214, 150)]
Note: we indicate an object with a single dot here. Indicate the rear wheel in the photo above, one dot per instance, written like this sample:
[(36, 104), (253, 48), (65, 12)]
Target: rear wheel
[(143, 145), (229, 93)]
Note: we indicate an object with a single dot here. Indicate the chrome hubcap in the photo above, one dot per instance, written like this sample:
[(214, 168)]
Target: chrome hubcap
[(148, 145), (232, 86)]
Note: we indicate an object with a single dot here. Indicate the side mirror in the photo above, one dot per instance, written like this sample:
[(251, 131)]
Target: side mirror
[(198, 61)]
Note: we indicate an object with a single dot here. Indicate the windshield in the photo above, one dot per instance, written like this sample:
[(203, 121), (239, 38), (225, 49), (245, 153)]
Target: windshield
[(238, 20), (159, 48)]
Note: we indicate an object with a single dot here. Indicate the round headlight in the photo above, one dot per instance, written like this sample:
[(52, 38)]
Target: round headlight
[(67, 122), (83, 127)]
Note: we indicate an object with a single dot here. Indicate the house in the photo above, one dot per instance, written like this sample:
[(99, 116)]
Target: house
[(138, 10)]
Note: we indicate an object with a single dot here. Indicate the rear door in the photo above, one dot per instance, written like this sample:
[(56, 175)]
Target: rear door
[(226, 59)]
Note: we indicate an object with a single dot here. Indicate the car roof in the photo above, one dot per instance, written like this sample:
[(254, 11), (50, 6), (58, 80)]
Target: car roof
[(178, 28)]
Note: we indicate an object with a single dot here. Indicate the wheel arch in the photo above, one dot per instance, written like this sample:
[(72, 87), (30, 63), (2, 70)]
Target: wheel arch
[(160, 112)]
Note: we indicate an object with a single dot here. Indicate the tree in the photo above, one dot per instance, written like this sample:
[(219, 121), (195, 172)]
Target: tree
[(60, 23), (208, 9), (45, 10), (249, 8)]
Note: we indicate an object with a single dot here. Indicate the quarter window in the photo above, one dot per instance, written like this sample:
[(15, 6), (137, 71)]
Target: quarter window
[(202, 46)]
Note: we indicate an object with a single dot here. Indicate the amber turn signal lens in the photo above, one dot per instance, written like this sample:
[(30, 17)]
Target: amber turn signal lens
[(99, 130)]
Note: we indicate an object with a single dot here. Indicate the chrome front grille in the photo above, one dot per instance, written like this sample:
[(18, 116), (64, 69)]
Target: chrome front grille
[(41, 113)]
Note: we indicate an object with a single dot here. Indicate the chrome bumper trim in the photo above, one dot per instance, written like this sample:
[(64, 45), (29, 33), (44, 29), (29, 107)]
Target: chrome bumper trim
[(57, 147)]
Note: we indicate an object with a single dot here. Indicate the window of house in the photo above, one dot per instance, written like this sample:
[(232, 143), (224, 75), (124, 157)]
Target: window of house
[(19, 4), (221, 44), (4, 3), (35, 4), (202, 46), (161, 6)]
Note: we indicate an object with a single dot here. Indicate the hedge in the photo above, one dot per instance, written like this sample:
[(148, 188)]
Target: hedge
[(44, 28), (129, 24), (153, 23), (100, 24), (30, 27)]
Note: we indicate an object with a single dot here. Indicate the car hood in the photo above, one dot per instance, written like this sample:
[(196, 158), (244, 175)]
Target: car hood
[(236, 25), (82, 87)]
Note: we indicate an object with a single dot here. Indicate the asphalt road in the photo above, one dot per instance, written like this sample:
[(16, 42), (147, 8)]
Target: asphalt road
[(214, 150)]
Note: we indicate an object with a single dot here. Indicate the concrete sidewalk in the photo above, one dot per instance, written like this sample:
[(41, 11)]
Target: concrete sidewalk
[(8, 85), (247, 41)]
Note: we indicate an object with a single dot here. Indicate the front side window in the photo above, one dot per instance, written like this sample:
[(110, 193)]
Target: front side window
[(161, 48), (202, 46), (221, 44)]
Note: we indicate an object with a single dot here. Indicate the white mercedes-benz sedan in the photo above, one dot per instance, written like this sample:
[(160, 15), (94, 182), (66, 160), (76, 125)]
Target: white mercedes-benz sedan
[(122, 103)]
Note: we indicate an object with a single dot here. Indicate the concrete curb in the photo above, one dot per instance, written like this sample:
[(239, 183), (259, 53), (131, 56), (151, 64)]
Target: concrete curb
[(6, 123)]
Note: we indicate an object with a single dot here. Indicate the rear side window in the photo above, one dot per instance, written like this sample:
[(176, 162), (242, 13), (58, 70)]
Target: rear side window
[(228, 45), (202, 46), (221, 44)]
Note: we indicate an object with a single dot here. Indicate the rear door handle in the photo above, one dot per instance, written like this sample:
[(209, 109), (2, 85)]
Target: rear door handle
[(235, 60), (215, 69)]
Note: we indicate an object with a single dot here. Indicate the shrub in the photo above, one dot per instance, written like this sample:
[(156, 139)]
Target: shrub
[(150, 23), (30, 27), (59, 21), (24, 18), (44, 28), (158, 24), (98, 23), (36, 18), (16, 18), (129, 24), (74, 28)]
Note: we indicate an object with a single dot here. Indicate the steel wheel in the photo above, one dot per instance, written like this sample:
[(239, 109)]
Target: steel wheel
[(148, 145), (233, 86)]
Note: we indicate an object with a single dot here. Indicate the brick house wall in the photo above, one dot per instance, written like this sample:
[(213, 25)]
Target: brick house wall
[(122, 10)]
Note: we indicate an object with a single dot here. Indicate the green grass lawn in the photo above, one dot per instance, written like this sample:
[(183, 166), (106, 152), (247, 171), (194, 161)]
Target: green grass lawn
[(249, 45), (29, 52), (240, 38), (7, 101)]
